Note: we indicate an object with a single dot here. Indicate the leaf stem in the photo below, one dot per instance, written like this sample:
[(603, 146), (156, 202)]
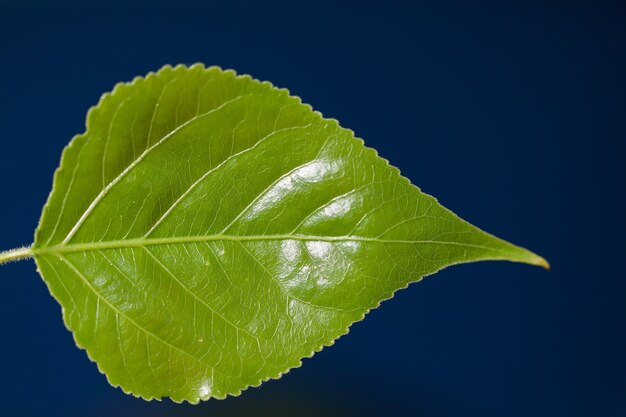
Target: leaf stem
[(15, 255)]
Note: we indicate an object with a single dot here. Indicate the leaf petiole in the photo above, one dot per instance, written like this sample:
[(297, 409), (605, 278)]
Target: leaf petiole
[(15, 255)]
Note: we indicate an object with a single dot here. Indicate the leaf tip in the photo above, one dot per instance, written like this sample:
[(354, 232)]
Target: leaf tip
[(540, 261)]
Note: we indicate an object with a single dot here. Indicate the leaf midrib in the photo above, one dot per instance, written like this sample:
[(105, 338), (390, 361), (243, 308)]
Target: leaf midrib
[(143, 242)]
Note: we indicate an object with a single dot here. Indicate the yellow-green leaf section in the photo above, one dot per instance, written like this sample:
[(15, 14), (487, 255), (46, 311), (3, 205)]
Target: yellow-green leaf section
[(208, 231)]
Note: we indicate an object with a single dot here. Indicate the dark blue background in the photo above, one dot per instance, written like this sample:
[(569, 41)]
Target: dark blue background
[(513, 115)]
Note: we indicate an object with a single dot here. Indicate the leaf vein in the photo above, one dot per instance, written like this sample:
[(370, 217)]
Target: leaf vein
[(117, 311), (195, 296), (132, 165), (210, 171)]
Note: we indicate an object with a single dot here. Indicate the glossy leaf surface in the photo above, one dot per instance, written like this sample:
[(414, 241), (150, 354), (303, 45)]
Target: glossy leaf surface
[(208, 231)]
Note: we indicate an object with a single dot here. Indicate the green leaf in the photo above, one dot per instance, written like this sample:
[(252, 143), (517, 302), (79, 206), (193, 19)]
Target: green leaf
[(208, 231)]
